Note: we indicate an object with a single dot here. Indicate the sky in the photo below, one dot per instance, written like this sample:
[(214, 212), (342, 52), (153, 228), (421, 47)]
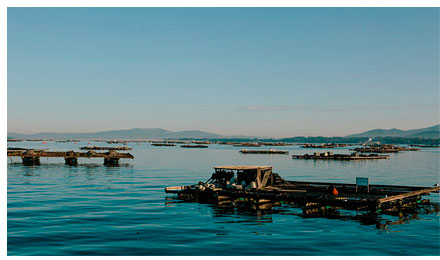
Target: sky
[(272, 72)]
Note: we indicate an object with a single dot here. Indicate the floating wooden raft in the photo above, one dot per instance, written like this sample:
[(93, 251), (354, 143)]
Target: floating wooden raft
[(32, 157), (257, 184), (275, 144), (164, 144), (331, 156), (384, 149), (105, 148), (194, 146), (323, 145), (24, 149), (246, 144), (41, 153), (270, 151)]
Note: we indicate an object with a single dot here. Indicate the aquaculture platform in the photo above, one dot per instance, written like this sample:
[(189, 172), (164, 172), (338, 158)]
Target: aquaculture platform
[(163, 144), (258, 185), (32, 157), (275, 144), (332, 156), (270, 151), (332, 145), (194, 146), (94, 147), (246, 144), (385, 148)]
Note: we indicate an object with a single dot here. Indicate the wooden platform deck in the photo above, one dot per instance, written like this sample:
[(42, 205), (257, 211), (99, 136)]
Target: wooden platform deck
[(32, 157), (194, 146), (105, 148), (382, 197), (347, 157), (258, 184), (384, 149), (270, 151), (164, 144), (323, 146)]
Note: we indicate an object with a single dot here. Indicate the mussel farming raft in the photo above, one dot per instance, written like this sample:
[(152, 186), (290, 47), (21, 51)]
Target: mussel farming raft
[(270, 151), (332, 145), (385, 148), (246, 144), (163, 144), (194, 146), (94, 147), (332, 156), (32, 157), (257, 185)]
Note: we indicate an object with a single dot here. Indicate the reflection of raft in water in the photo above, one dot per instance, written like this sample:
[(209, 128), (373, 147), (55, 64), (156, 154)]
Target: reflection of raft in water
[(259, 213), (258, 185)]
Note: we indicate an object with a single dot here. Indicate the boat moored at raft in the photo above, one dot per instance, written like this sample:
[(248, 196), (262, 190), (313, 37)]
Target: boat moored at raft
[(259, 185)]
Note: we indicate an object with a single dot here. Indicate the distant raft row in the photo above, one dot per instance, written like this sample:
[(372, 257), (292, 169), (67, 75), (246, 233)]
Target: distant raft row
[(332, 156), (94, 147), (383, 148), (270, 151)]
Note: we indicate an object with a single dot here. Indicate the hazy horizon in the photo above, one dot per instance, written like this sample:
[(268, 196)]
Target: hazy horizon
[(210, 132), (275, 72)]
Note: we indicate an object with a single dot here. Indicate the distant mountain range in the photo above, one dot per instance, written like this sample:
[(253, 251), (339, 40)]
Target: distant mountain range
[(432, 132), (428, 132), (136, 133)]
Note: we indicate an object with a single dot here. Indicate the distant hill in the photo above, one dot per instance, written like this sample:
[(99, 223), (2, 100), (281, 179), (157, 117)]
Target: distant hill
[(136, 133), (432, 132), (428, 132)]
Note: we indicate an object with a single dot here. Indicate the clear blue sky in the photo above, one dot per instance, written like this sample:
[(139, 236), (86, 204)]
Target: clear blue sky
[(252, 71)]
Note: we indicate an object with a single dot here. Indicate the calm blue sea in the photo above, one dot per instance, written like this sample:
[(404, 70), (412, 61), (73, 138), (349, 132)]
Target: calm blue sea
[(54, 209)]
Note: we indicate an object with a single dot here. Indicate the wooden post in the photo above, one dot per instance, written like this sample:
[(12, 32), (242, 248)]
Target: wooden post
[(258, 178), (111, 161), (265, 178), (72, 161), (271, 177), (31, 160)]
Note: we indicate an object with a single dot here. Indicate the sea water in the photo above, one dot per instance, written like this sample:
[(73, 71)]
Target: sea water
[(91, 209)]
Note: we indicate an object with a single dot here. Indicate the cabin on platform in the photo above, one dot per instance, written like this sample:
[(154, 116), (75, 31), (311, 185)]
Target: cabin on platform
[(239, 177)]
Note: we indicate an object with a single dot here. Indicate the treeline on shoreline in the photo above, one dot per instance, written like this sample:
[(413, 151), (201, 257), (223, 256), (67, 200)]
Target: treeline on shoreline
[(322, 139)]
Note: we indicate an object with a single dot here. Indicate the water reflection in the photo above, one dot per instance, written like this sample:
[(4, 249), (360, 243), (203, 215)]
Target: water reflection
[(232, 213), (63, 166)]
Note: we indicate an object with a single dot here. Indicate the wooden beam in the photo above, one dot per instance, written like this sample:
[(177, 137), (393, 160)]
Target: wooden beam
[(409, 194), (258, 178), (265, 178), (112, 154)]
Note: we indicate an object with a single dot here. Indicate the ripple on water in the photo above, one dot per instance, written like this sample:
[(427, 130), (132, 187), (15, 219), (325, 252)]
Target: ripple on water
[(55, 209)]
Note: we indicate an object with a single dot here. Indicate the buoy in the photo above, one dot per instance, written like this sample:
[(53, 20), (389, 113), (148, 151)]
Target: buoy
[(335, 192), (44, 142)]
